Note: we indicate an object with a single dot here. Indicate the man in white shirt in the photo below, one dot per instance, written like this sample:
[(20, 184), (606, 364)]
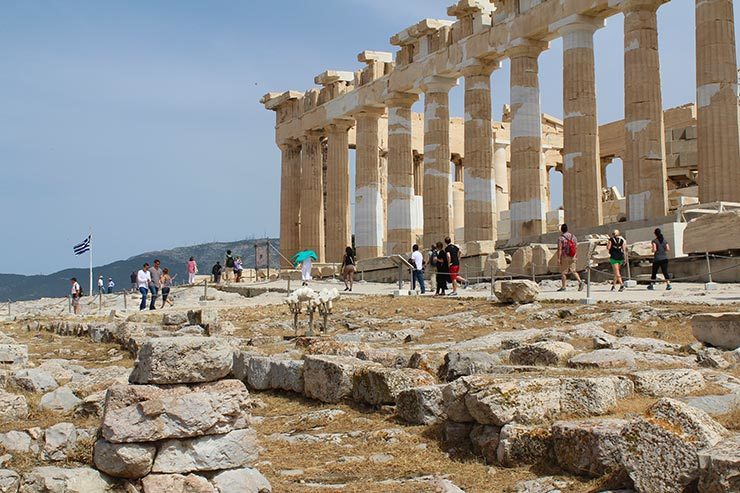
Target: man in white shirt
[(101, 288), (143, 279), (75, 293), (417, 260)]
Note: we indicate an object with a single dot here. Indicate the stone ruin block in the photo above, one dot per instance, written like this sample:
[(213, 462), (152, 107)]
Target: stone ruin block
[(717, 329), (668, 383), (124, 460), (378, 386), (421, 405), (545, 353), (519, 444), (14, 355), (233, 450), (720, 467), (588, 447), (523, 401), (517, 291), (330, 378), (269, 372)]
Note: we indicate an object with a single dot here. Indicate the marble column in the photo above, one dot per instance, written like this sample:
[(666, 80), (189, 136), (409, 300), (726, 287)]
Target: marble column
[(290, 200), (501, 171), (369, 207), (437, 186), (717, 110), (338, 229), (581, 160), (645, 173), (312, 194), (479, 174), (400, 174), (528, 177)]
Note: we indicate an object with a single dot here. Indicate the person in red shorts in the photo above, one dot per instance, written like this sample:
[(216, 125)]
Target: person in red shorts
[(453, 257)]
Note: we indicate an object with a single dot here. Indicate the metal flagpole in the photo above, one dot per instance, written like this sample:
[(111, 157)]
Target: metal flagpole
[(91, 272)]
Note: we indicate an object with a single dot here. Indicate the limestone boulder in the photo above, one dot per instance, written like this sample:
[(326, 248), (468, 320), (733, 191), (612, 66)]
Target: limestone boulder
[(59, 440), (16, 441), (720, 466), (588, 447), (668, 383), (660, 451), (245, 480), (604, 358), (330, 378), (61, 400), (124, 460), (541, 257), (461, 363), (170, 360), (521, 262), (10, 481), (497, 262), (49, 479), (33, 380), (176, 483), (721, 330), (519, 444), (432, 362), (12, 407), (421, 405), (175, 319), (269, 372), (388, 357), (378, 386), (233, 450), (524, 401), (139, 413), (484, 441), (517, 291), (545, 353), (14, 355), (712, 233), (455, 393), (592, 396)]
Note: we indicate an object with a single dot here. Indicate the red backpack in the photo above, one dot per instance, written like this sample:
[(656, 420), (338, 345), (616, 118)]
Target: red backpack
[(570, 248)]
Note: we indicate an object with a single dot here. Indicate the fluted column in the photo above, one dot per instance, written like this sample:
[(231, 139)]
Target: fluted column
[(479, 174), (400, 174), (338, 229), (717, 115), (528, 177), (290, 199), (644, 165), (581, 163), (312, 194), (369, 208), (500, 166), (437, 186)]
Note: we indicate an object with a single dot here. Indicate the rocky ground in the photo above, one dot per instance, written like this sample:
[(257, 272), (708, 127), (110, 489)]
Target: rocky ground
[(399, 394)]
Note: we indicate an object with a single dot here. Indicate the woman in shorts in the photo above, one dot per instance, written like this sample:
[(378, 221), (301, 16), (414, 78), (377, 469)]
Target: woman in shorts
[(348, 268), (660, 259), (617, 252), (166, 282)]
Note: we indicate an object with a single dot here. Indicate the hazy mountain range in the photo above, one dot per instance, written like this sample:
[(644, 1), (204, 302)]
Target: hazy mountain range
[(20, 287)]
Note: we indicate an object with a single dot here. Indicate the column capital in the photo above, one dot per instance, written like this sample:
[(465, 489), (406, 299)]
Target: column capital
[(438, 84), (340, 125), (401, 99), (311, 135), (526, 47), (627, 6), (576, 22), (366, 111), (289, 144), (480, 68)]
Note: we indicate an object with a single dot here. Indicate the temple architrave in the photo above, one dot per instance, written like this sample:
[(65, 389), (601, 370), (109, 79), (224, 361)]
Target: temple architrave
[(422, 177)]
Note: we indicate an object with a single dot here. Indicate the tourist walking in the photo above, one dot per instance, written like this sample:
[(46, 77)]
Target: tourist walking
[(155, 273), (111, 285), (617, 257), (660, 259), (306, 271), (453, 258), (229, 264), (443, 269), (349, 267), (166, 287), (216, 271), (192, 270), (76, 294), (133, 281), (143, 280), (238, 269), (101, 285), (417, 262), (567, 256)]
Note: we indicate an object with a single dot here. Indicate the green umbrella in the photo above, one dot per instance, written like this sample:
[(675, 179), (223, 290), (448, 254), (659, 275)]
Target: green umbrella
[(301, 256)]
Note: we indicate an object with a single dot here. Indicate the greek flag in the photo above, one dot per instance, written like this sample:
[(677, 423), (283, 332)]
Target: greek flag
[(82, 247)]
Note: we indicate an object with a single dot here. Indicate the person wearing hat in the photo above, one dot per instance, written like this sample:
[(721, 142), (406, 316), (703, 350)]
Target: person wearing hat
[(101, 288), (111, 285)]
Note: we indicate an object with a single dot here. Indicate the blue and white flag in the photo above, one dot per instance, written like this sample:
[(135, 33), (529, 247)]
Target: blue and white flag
[(83, 247)]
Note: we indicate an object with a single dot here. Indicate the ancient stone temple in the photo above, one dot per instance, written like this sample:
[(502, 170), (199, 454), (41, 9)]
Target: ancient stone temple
[(422, 177)]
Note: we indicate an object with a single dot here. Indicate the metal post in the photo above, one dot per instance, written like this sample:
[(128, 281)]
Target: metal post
[(400, 276), (588, 300), (100, 302), (205, 290), (125, 301), (534, 278), (493, 283), (9, 302), (268, 261), (69, 302), (629, 283), (710, 285)]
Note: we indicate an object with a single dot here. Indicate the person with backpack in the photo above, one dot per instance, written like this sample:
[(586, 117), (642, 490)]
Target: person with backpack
[(229, 263), (617, 253), (216, 271), (76, 294), (567, 255), (443, 269), (453, 259), (660, 259)]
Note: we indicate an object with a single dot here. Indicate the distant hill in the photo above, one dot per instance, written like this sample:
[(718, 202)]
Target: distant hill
[(19, 287)]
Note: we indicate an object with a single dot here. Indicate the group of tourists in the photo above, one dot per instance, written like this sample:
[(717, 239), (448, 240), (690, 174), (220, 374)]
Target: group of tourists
[(151, 281), (231, 264), (617, 247)]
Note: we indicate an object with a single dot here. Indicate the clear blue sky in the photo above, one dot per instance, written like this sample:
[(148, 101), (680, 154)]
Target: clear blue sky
[(142, 120)]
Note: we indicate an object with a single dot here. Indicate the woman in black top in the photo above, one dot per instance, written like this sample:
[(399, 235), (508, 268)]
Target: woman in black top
[(348, 268), (443, 270), (617, 248)]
